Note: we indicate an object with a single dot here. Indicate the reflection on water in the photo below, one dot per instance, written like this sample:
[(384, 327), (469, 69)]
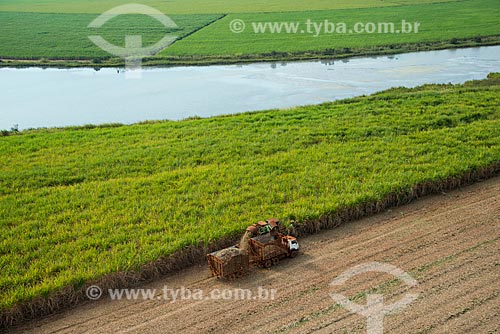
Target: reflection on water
[(38, 98)]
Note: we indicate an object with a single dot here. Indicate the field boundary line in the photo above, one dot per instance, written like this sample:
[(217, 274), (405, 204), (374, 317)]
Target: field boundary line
[(199, 28)]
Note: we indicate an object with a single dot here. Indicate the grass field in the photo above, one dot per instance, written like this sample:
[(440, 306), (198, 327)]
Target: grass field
[(437, 22), (47, 30), (65, 36), (198, 6), (77, 204)]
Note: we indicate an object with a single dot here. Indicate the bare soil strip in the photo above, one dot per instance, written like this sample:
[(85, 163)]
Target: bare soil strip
[(449, 243)]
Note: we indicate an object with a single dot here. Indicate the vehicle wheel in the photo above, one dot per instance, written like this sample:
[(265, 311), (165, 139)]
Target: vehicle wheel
[(293, 254), (268, 264), (276, 260)]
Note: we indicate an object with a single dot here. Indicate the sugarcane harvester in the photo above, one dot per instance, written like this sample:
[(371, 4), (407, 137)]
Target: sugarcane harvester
[(263, 244)]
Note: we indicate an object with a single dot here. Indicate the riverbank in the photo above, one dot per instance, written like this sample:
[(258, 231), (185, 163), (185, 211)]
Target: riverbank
[(206, 60), (89, 97)]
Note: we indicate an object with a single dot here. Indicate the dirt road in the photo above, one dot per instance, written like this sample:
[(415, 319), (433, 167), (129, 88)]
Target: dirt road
[(449, 243)]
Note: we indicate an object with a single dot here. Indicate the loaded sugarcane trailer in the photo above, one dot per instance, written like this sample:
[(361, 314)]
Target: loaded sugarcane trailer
[(231, 262), (265, 249)]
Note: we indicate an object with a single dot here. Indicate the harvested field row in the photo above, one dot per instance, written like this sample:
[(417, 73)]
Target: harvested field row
[(449, 243)]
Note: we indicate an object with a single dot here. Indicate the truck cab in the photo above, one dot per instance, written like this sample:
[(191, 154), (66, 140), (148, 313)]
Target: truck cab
[(293, 245)]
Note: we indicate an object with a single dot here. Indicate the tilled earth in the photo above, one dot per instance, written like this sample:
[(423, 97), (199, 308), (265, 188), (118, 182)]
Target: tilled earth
[(449, 243)]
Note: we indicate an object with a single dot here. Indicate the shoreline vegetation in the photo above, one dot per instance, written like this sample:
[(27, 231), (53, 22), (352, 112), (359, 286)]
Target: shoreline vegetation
[(117, 206), (207, 60)]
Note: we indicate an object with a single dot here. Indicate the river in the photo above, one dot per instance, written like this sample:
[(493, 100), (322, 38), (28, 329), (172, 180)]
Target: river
[(36, 97)]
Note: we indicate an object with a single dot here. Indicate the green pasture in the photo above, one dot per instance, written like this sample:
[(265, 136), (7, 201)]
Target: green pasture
[(65, 36), (198, 6), (438, 22), (57, 30)]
